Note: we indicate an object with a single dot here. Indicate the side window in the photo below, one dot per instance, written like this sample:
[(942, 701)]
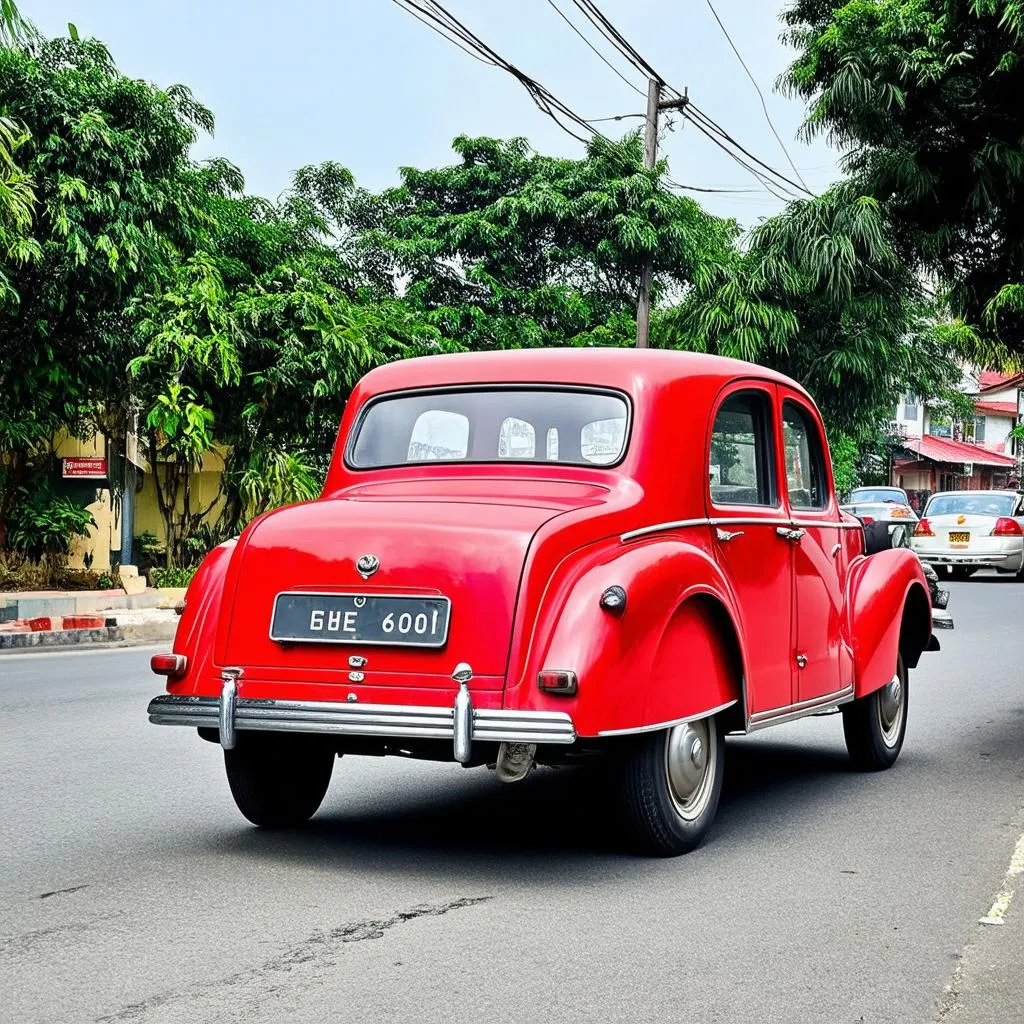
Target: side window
[(805, 459), (740, 465)]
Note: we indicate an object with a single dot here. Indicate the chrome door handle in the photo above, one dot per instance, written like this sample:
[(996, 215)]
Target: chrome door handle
[(787, 534), (724, 535)]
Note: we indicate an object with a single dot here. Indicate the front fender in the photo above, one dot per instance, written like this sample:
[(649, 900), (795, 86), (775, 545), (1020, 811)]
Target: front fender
[(887, 598), (672, 654)]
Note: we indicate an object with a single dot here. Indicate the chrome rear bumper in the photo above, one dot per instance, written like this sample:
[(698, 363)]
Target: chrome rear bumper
[(230, 713)]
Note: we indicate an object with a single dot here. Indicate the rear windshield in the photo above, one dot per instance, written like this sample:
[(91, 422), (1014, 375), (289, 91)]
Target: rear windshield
[(971, 504), (869, 494), (491, 425)]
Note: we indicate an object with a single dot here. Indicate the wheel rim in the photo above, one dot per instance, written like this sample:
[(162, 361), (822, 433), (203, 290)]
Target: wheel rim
[(691, 759), (891, 707)]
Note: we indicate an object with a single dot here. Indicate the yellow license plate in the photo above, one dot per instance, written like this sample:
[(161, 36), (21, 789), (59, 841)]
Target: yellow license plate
[(957, 537)]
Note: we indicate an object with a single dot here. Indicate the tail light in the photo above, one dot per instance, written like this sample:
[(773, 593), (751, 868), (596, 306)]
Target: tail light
[(562, 683), (867, 519), (901, 512), (168, 664), (923, 529), (1006, 527)]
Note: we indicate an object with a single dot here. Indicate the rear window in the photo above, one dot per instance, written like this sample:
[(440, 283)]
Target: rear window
[(866, 495), (971, 504), (491, 425)]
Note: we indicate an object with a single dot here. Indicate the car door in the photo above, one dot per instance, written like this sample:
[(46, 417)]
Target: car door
[(814, 539), (745, 508)]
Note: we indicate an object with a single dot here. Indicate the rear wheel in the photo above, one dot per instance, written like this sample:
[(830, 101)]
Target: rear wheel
[(278, 780), (874, 726), (962, 572), (671, 782)]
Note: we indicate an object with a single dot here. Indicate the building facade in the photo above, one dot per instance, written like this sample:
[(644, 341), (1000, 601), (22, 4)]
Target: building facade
[(941, 454)]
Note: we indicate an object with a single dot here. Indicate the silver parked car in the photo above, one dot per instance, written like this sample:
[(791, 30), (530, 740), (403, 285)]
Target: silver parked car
[(961, 532)]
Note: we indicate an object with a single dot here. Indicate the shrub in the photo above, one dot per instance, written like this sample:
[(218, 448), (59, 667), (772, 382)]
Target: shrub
[(172, 577), (44, 523), (147, 552)]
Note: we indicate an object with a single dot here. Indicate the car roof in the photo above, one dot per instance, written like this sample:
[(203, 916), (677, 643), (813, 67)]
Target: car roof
[(628, 369), (965, 494)]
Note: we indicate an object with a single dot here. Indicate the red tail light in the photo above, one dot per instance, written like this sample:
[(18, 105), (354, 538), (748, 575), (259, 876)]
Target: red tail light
[(867, 519), (563, 683), (168, 664), (1006, 527), (923, 529)]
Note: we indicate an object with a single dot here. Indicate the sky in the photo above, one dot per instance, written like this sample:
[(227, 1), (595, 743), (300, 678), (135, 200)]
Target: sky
[(363, 83)]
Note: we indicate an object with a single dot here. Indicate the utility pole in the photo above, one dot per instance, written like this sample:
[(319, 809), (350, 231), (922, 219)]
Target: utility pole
[(654, 106)]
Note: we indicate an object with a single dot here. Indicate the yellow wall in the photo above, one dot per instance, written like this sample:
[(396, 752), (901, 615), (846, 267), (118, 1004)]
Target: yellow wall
[(106, 535)]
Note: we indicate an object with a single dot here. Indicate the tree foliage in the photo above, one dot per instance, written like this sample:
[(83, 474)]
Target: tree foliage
[(923, 97)]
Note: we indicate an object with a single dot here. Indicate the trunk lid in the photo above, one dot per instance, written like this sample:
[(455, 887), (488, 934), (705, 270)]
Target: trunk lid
[(466, 541), (957, 530)]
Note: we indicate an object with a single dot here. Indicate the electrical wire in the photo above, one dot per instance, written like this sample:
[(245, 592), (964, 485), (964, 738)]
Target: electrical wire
[(697, 117), (569, 22), (760, 94), (613, 35), (448, 26)]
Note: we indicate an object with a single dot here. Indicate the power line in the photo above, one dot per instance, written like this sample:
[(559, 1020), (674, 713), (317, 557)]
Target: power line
[(753, 81), (610, 32), (703, 122), (568, 22), (448, 26)]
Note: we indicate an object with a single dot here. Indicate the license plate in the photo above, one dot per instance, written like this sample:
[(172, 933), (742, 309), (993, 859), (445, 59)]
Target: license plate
[(957, 537), (361, 619)]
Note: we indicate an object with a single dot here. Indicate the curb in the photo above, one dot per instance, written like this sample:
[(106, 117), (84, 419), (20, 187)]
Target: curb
[(128, 635)]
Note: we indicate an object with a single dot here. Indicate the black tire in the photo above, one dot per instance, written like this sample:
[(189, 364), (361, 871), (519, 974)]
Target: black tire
[(660, 819), (278, 780), (874, 726)]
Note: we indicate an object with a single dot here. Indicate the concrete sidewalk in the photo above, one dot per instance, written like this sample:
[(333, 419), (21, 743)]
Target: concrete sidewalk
[(120, 626)]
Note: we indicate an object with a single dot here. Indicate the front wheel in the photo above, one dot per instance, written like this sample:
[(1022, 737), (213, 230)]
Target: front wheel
[(278, 780), (874, 726), (671, 782)]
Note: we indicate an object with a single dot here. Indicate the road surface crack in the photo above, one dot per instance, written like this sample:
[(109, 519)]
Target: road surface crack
[(318, 948), (62, 892)]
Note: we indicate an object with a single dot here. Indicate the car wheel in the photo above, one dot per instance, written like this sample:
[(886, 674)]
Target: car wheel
[(278, 781), (962, 572), (874, 726), (671, 783)]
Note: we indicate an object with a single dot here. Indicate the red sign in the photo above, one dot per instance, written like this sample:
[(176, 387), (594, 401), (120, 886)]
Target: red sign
[(94, 468)]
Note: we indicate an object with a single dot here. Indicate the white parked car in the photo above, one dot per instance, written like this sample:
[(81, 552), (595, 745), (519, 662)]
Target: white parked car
[(964, 531)]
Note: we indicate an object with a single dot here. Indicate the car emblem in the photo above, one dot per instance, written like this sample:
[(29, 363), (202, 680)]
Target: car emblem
[(367, 565), (960, 520)]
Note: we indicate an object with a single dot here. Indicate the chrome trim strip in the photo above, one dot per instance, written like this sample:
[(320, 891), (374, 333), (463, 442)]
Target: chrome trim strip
[(684, 524), (353, 719), (226, 708), (955, 559), (667, 725), (792, 712)]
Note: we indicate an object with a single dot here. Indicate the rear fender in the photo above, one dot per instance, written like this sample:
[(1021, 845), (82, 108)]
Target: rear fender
[(674, 653), (889, 613), (197, 626)]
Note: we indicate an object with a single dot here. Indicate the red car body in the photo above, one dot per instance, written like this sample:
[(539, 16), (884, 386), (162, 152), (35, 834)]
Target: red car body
[(736, 607)]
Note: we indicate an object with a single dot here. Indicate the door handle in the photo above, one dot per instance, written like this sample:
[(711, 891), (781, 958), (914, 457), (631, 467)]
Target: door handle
[(791, 535), (725, 535)]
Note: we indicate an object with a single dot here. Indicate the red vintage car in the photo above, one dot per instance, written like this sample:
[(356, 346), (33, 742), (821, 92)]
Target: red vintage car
[(526, 557)]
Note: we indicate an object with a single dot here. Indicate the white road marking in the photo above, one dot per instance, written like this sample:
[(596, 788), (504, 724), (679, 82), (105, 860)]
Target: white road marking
[(997, 913)]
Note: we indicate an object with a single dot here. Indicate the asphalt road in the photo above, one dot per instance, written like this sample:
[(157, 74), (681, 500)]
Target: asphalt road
[(131, 890)]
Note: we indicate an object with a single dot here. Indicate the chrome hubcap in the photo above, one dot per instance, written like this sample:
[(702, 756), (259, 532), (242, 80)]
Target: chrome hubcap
[(690, 756), (891, 709)]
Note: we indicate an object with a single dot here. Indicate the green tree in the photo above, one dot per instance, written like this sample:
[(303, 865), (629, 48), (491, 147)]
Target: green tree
[(116, 200), (510, 248), (923, 98), (821, 293)]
